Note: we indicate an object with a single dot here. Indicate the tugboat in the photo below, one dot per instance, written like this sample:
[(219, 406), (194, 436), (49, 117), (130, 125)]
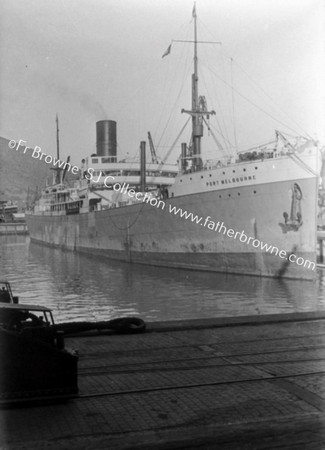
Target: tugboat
[(35, 366)]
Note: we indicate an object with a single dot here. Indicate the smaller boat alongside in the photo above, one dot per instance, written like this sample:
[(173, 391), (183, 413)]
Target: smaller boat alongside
[(11, 221), (6, 293), (8, 208), (34, 363)]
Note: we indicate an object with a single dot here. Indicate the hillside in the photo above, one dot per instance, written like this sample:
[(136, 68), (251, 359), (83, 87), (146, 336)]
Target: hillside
[(21, 176)]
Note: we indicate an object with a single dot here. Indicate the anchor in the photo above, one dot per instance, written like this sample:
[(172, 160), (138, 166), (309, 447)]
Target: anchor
[(295, 221)]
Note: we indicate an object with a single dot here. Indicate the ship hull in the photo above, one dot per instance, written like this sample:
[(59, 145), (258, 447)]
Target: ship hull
[(147, 234)]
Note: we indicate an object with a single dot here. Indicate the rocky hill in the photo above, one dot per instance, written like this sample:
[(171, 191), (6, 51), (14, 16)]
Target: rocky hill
[(21, 176)]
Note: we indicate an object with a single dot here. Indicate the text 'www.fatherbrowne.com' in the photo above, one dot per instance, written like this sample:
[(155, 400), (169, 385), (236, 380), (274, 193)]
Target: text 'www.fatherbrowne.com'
[(256, 243)]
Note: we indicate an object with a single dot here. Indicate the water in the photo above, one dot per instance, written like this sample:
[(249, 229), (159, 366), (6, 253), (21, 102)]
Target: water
[(80, 287)]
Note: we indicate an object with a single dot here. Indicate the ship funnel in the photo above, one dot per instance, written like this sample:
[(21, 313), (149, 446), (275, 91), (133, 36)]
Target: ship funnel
[(106, 138)]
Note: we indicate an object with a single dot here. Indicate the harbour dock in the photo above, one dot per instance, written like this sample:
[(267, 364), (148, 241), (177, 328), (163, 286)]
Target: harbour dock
[(234, 383)]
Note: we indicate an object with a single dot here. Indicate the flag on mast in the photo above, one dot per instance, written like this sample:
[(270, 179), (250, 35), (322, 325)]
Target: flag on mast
[(167, 51), (194, 11)]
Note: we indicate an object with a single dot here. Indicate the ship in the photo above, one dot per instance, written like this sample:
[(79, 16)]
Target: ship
[(7, 210), (253, 214)]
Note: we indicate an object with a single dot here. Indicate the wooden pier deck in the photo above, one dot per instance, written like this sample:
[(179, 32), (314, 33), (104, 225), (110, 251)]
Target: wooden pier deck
[(236, 383)]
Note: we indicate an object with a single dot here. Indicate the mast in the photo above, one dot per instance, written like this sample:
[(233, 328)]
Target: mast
[(197, 127), (199, 109), (57, 179), (57, 138)]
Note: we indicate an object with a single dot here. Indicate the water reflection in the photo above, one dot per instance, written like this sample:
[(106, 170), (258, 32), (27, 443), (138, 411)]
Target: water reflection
[(81, 287)]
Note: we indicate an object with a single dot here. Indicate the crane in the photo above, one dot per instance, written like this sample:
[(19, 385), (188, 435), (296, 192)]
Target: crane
[(152, 149)]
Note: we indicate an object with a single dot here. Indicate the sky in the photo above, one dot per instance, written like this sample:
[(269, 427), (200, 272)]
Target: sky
[(90, 60)]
